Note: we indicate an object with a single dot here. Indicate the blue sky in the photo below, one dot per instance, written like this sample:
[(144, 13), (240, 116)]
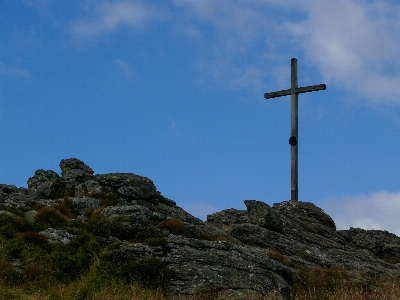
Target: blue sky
[(173, 90)]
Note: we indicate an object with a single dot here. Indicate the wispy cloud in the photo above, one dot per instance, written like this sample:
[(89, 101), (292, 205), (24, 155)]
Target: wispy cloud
[(127, 70), (108, 16), (355, 44), (380, 210), (8, 70), (227, 32)]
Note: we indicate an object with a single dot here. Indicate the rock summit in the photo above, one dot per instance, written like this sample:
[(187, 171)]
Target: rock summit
[(253, 253)]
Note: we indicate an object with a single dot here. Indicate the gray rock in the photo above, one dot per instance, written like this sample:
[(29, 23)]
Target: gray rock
[(90, 187), (227, 217), (129, 186), (237, 254), (307, 214), (175, 212), (58, 235), (41, 176), (263, 215), (82, 205), (30, 216), (133, 213), (203, 266), (75, 170)]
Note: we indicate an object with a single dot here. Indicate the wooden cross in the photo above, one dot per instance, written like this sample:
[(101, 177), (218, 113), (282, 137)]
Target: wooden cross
[(294, 91)]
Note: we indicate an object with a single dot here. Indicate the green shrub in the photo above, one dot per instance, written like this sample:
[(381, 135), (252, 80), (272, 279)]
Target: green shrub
[(8, 275), (74, 259), (151, 272), (108, 199), (156, 241), (12, 249), (35, 273), (121, 228), (174, 226), (50, 217), (33, 237), (9, 225), (66, 207), (59, 190)]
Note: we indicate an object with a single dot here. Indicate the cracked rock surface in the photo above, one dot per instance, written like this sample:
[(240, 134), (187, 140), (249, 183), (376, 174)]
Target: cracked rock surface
[(250, 253)]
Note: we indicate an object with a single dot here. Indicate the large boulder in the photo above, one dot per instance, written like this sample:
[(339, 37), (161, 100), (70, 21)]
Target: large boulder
[(263, 215), (307, 215), (47, 184), (75, 170), (129, 186)]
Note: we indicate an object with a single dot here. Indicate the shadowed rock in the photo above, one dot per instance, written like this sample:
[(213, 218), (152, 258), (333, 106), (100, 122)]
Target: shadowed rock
[(237, 254)]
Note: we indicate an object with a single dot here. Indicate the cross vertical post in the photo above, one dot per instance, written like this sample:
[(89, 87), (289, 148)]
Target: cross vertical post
[(295, 130), (294, 92)]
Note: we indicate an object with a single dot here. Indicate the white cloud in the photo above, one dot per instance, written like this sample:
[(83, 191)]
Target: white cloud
[(13, 71), (108, 16), (380, 210), (355, 44)]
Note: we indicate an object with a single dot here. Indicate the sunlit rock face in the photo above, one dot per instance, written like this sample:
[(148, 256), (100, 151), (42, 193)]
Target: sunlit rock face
[(237, 254)]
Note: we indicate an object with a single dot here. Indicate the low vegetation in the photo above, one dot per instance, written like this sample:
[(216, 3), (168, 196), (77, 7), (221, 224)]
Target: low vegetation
[(88, 268)]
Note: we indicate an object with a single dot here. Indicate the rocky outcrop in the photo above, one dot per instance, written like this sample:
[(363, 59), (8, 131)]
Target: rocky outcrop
[(306, 238), (237, 254)]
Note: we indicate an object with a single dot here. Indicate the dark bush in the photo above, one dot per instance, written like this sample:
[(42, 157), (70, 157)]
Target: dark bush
[(156, 241), (9, 225), (8, 275), (174, 226), (33, 237), (108, 199), (35, 273), (71, 260), (151, 272), (12, 249), (66, 207), (48, 217)]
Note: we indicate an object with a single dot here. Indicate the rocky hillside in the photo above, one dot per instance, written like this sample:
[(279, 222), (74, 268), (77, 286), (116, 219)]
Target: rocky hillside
[(61, 225)]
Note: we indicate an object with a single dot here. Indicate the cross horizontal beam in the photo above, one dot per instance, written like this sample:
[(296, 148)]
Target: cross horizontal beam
[(299, 90)]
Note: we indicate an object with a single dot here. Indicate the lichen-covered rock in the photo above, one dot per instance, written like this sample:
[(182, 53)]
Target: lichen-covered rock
[(41, 176), (47, 184), (133, 213), (202, 266), (75, 170), (207, 266), (263, 215), (82, 205), (90, 187), (58, 235), (237, 254), (228, 217), (129, 186), (307, 214), (16, 199), (383, 244)]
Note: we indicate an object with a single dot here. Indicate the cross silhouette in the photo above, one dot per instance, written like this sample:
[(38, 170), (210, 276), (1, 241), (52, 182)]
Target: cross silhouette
[(294, 91)]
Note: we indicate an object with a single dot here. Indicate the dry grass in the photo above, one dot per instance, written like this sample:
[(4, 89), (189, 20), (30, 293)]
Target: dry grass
[(77, 291), (326, 284), (348, 293), (80, 291)]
